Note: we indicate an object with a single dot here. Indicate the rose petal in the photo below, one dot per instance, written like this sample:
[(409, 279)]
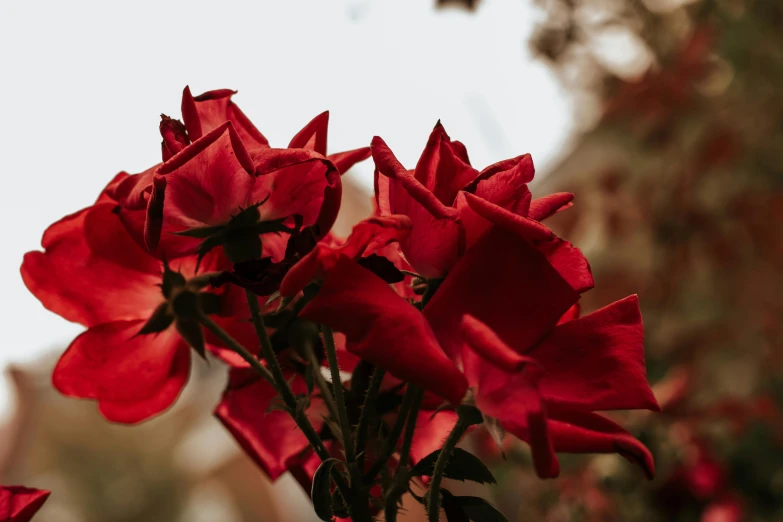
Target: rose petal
[(297, 181), (432, 428), (542, 208), (597, 362), (271, 438), (488, 346), (206, 184), (110, 362), (210, 110), (441, 169), (368, 235), (574, 431), (345, 160), (506, 283), (92, 271), (313, 135), (384, 329), (569, 261), (137, 411), (19, 503)]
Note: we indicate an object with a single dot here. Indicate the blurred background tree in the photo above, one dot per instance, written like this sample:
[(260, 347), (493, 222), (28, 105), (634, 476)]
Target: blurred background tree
[(678, 172)]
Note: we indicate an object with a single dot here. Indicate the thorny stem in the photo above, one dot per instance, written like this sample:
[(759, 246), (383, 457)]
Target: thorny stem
[(282, 387), (433, 496), (321, 382), (391, 441), (359, 499), (233, 345), (368, 412), (401, 478)]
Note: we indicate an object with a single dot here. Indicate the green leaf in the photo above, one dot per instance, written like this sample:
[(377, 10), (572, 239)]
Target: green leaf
[(321, 493), (200, 232), (192, 333), (461, 466), (479, 510), (160, 320)]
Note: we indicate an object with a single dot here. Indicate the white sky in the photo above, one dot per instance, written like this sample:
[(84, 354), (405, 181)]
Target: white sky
[(82, 85)]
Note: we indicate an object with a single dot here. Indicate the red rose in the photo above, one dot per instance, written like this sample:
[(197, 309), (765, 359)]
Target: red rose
[(93, 273), (451, 205), (584, 365), (216, 164), (19, 504)]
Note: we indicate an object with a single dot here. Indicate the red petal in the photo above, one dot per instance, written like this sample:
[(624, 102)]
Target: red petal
[(583, 432), (489, 347), (520, 170), (345, 160), (208, 111), (542, 208), (596, 362), (506, 283), (569, 262), (434, 244), (440, 168), (110, 362), (513, 399), (368, 235), (206, 183), (571, 314), (389, 166), (92, 271), (522, 226), (19, 503), (505, 184), (137, 411), (384, 329), (313, 135), (271, 439), (432, 428), (297, 181)]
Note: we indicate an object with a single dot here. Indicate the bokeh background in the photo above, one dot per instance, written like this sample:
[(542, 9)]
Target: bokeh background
[(665, 117)]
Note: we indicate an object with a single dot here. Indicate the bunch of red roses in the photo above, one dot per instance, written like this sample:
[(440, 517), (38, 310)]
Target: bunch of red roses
[(454, 307)]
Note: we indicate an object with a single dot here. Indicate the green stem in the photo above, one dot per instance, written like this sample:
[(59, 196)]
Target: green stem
[(368, 412), (433, 496), (391, 441), (359, 499), (281, 385), (339, 397), (233, 345), (401, 476), (321, 382)]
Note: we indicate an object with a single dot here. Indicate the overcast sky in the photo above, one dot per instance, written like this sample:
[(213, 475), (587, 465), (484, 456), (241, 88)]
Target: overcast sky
[(83, 84)]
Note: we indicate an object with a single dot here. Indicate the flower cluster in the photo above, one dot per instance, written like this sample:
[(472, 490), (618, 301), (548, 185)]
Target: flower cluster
[(352, 361)]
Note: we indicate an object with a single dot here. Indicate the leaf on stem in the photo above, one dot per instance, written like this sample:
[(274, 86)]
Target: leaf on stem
[(461, 466)]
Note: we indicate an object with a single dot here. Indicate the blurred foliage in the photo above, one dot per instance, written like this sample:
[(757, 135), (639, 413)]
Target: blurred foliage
[(678, 176)]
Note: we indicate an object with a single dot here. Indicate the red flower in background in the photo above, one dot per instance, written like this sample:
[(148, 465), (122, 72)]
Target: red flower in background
[(19, 504)]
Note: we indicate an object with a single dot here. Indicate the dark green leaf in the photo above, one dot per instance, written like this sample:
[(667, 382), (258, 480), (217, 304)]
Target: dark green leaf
[(461, 466), (200, 232), (452, 509), (191, 332), (479, 510), (160, 320), (321, 493)]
